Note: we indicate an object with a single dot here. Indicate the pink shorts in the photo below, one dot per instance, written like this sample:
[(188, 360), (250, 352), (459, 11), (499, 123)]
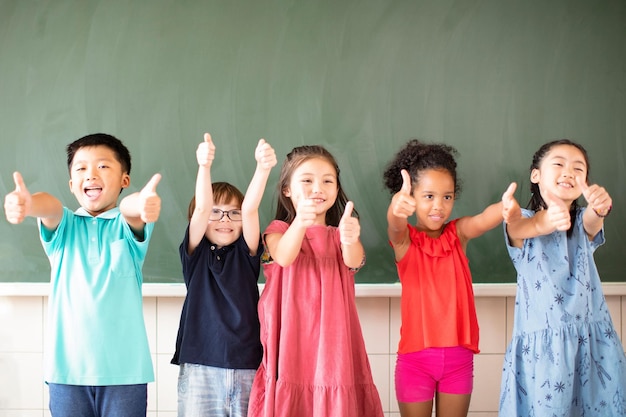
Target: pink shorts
[(420, 374)]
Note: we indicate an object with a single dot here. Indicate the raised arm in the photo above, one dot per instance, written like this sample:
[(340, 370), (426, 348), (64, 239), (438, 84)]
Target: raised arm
[(142, 207), (402, 206), (205, 154), (555, 217), (599, 204), (470, 227), (20, 204), (265, 161), (285, 247), (350, 232)]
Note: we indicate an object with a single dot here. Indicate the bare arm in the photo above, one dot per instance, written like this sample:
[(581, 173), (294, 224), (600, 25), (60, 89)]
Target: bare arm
[(402, 206), (285, 247), (20, 204), (599, 204), (470, 227), (205, 154), (142, 207), (266, 160), (555, 217), (350, 231)]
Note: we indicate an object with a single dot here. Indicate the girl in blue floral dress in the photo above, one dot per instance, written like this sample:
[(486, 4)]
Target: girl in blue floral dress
[(565, 358)]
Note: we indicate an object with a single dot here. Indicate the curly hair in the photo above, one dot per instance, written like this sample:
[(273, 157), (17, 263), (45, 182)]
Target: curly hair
[(416, 157)]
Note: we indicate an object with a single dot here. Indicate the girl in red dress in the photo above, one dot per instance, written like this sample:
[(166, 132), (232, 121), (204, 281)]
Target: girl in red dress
[(314, 359)]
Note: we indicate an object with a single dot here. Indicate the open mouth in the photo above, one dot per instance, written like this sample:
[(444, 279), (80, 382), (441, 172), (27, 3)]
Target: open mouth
[(92, 192)]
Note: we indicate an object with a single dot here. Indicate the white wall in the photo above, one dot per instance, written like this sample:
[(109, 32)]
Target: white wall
[(22, 320)]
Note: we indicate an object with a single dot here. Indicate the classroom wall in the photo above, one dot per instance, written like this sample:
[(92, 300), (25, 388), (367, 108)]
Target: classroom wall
[(22, 318)]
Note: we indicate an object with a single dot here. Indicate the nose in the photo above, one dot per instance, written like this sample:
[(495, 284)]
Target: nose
[(91, 173), (568, 172)]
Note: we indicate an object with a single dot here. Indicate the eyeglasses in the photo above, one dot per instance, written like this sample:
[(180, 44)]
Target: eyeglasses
[(217, 215)]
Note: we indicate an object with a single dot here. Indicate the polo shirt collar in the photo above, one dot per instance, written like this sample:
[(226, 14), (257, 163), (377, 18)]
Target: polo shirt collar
[(110, 214)]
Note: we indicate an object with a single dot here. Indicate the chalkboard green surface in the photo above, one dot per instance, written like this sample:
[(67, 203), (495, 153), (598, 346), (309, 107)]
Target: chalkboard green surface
[(495, 79)]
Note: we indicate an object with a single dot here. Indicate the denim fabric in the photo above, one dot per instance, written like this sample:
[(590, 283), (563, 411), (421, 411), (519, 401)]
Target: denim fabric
[(105, 401), (214, 392)]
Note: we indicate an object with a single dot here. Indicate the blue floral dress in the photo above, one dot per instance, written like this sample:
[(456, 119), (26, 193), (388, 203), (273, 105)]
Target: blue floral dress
[(565, 358)]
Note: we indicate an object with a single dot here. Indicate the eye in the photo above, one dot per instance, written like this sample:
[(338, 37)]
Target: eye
[(447, 197), (102, 166), (235, 212), (216, 212)]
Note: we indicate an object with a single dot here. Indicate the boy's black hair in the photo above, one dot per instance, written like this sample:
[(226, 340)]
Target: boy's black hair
[(100, 139)]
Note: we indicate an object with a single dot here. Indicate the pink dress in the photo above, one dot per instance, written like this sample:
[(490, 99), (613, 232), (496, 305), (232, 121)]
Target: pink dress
[(314, 359)]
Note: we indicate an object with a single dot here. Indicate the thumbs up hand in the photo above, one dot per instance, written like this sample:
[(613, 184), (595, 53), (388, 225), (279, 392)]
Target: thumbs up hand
[(205, 154), (265, 155), (558, 213), (349, 227), (598, 199), (18, 203), (511, 210), (149, 201), (402, 203)]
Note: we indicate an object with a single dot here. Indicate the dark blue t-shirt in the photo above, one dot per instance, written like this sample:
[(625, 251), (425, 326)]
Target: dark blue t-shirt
[(219, 324)]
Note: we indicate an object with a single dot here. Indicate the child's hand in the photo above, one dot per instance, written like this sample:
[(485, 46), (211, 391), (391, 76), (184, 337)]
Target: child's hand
[(18, 203), (205, 154), (403, 204), (598, 199), (265, 155), (305, 212), (557, 213), (150, 202), (511, 210), (349, 227)]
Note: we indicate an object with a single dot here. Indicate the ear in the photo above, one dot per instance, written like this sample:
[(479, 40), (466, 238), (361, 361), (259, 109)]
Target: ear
[(286, 192), (70, 183), (125, 180), (534, 176)]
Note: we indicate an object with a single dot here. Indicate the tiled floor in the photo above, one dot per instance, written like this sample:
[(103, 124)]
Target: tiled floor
[(22, 318)]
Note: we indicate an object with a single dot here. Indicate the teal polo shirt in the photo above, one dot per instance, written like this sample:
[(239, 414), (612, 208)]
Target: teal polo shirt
[(96, 332)]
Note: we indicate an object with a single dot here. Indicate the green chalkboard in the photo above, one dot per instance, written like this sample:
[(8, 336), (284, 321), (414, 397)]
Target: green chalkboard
[(493, 78)]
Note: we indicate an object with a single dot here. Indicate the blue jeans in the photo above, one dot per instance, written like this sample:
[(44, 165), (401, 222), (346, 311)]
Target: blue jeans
[(215, 392), (105, 401)]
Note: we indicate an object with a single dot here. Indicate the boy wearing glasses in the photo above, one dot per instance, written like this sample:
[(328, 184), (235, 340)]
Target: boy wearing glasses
[(218, 347)]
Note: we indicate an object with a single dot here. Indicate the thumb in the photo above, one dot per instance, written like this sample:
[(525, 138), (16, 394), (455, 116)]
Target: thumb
[(347, 213), (207, 138), (508, 194), (582, 183), (19, 182), (151, 186), (406, 182)]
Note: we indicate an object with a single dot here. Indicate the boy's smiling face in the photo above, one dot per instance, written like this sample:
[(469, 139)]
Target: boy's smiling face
[(96, 179)]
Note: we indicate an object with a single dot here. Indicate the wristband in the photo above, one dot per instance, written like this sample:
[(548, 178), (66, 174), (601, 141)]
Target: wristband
[(602, 215)]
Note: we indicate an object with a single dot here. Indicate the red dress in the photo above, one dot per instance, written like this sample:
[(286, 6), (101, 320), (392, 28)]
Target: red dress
[(437, 303), (314, 359)]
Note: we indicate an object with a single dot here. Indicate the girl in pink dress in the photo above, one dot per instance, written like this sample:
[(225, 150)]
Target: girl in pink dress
[(314, 359)]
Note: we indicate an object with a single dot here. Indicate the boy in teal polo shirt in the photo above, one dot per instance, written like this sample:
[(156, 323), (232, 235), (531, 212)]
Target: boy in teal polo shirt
[(97, 356)]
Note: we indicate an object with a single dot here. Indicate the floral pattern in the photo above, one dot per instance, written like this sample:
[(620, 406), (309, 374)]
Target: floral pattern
[(565, 358)]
